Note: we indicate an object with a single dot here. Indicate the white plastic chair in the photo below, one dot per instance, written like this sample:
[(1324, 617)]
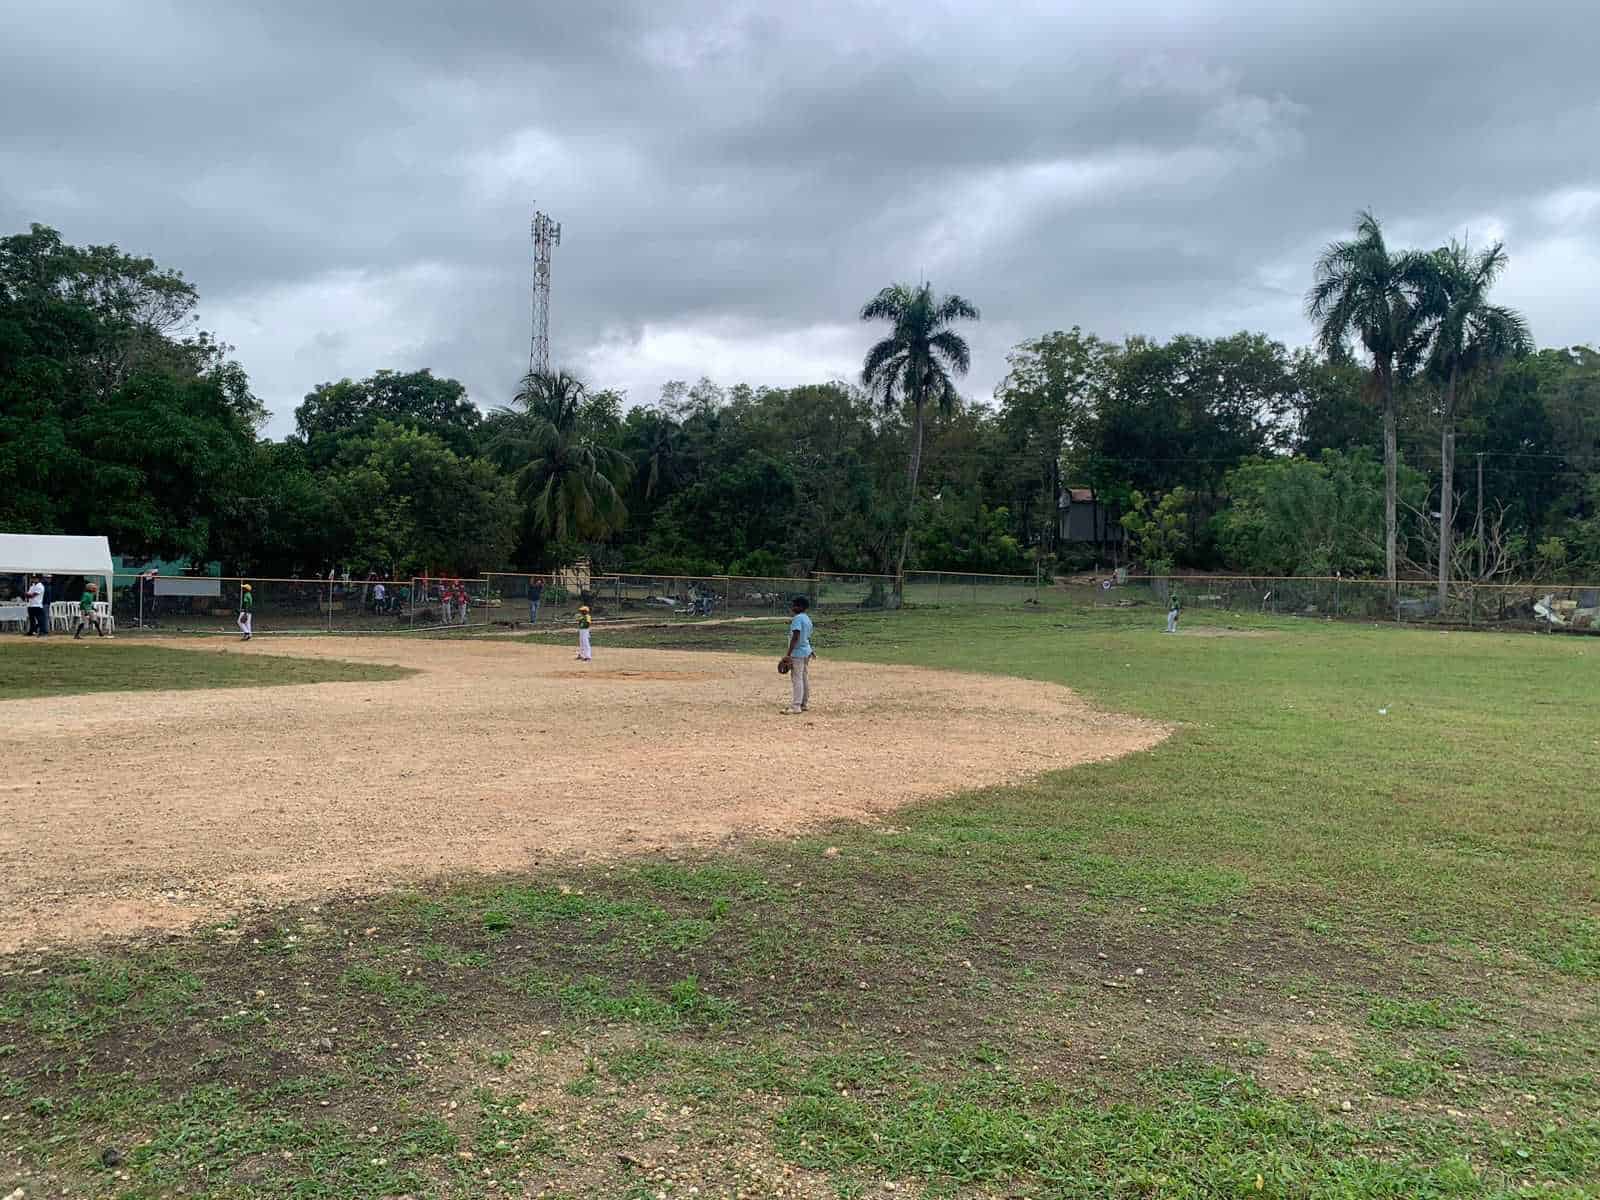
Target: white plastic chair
[(63, 615), (102, 609)]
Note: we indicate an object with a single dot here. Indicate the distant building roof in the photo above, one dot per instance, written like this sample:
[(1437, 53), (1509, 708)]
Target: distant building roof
[(1077, 496)]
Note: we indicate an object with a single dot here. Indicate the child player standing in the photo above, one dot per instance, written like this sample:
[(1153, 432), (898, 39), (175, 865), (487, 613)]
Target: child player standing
[(247, 603), (585, 653), (799, 656), (86, 613)]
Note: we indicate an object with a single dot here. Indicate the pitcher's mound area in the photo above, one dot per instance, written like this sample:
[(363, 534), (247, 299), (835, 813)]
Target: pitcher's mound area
[(155, 810)]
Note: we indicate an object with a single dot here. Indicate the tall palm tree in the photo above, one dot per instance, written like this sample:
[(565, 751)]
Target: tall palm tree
[(658, 454), (1363, 290), (913, 367), (1471, 336), (571, 484)]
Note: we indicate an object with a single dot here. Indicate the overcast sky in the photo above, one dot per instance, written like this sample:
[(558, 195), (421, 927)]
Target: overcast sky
[(350, 183)]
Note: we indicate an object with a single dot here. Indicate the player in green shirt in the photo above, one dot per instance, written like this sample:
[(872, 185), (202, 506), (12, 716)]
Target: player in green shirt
[(247, 603), (86, 613)]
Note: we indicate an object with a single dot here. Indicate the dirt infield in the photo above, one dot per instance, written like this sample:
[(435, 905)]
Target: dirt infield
[(156, 810)]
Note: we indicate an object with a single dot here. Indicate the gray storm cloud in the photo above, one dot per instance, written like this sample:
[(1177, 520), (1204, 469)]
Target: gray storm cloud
[(350, 185)]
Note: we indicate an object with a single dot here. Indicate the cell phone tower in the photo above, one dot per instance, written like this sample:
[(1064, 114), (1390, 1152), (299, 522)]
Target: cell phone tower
[(546, 237)]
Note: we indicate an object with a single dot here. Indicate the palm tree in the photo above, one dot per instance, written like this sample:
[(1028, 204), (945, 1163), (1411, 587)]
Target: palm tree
[(658, 454), (1360, 289), (571, 484), (913, 366), (1470, 337)]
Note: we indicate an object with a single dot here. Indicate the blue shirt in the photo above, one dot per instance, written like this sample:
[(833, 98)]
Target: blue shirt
[(801, 625)]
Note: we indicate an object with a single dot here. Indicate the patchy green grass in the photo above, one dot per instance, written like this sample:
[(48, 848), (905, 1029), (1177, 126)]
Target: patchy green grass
[(61, 667), (1336, 937)]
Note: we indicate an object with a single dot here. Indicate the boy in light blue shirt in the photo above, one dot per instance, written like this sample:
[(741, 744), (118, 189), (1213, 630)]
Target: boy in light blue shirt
[(799, 656)]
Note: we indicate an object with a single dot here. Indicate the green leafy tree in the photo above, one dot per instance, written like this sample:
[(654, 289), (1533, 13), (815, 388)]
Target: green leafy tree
[(912, 367), (1331, 408), (116, 417), (431, 509), (333, 413), (1363, 290), (1045, 397), (569, 481), (740, 509), (1471, 337), (957, 532), (1158, 529), (1301, 516)]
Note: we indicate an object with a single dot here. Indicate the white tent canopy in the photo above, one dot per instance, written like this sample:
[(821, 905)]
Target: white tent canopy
[(57, 554)]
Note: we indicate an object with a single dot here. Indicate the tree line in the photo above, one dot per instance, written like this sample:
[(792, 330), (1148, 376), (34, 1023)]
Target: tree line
[(1361, 454)]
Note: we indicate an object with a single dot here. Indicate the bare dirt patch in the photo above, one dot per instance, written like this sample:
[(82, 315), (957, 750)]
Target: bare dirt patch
[(156, 810), (641, 676)]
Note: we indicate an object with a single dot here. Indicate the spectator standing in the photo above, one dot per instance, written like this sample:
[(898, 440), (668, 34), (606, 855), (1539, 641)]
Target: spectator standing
[(535, 597), (37, 625)]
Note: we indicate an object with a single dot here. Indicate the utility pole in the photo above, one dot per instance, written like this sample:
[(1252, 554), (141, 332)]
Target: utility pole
[(1482, 560), (546, 236)]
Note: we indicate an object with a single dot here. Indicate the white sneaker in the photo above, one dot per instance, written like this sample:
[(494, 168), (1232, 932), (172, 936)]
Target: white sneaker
[(791, 711)]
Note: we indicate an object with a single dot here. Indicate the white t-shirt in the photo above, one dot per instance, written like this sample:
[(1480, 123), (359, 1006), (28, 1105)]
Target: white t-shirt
[(36, 595)]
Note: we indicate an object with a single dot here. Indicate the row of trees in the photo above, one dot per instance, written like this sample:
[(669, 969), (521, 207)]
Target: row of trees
[(1416, 312), (117, 415)]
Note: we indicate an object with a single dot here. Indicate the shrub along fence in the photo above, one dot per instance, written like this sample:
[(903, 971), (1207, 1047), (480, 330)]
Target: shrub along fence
[(1544, 606)]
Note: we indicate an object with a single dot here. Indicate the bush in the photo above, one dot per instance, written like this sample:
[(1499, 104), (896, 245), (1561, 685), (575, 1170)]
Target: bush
[(676, 564), (759, 564)]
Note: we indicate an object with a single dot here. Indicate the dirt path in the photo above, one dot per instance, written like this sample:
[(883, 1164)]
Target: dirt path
[(156, 810)]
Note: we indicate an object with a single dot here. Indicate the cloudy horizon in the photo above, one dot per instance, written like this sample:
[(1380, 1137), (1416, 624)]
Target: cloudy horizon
[(350, 186)]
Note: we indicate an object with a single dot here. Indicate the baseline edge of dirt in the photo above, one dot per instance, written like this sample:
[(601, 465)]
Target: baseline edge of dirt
[(153, 811)]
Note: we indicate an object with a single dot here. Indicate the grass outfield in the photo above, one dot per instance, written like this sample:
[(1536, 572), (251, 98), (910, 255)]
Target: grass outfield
[(61, 667), (1339, 936)]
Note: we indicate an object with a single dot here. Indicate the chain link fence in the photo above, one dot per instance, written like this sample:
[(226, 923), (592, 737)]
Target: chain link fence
[(210, 605), (942, 588), (1526, 606), (200, 604)]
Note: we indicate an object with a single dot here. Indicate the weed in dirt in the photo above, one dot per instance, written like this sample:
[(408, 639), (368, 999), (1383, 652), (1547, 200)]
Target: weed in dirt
[(1386, 1013), (408, 997)]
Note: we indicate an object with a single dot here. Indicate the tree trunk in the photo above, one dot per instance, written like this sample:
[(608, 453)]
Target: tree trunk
[(1053, 523), (1447, 487), (1391, 460), (911, 501)]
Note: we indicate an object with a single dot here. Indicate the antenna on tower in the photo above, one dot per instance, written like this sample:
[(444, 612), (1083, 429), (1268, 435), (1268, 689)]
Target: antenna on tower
[(546, 236)]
